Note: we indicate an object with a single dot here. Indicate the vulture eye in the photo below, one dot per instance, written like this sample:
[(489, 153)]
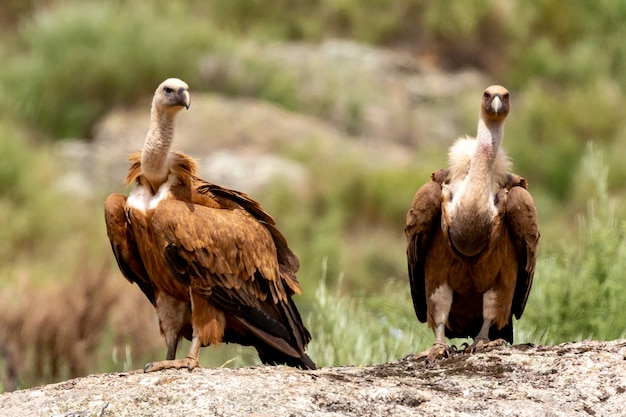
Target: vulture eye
[(506, 96), (486, 96), (167, 90)]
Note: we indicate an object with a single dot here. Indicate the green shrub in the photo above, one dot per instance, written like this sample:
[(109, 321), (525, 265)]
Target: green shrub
[(548, 128), (45, 232), (579, 289), (569, 47), (76, 60), (350, 330)]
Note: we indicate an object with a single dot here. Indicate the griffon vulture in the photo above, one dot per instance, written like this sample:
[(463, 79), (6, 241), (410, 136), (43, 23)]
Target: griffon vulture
[(209, 259), (472, 239)]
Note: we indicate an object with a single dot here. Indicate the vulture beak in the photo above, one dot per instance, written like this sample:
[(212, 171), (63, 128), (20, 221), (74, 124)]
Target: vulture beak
[(184, 97), (496, 103)]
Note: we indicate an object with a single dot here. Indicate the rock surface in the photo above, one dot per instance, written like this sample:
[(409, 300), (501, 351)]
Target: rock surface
[(583, 378)]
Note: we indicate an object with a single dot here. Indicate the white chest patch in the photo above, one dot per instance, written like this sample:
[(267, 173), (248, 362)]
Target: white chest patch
[(142, 199)]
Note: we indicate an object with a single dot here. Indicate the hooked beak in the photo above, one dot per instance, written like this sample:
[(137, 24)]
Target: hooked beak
[(184, 97), (496, 104)]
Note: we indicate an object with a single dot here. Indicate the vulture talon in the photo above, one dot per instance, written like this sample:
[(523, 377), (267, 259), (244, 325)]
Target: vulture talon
[(433, 354), (148, 367), (187, 363), (482, 345), (192, 364)]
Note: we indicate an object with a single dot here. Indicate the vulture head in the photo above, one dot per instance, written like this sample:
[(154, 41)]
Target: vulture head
[(172, 95), (496, 103)]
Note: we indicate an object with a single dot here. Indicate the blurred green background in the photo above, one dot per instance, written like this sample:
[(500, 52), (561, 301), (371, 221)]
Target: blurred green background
[(65, 309)]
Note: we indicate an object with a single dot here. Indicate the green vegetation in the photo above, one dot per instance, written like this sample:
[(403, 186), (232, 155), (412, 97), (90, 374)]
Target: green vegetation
[(83, 57), (581, 288), (66, 64)]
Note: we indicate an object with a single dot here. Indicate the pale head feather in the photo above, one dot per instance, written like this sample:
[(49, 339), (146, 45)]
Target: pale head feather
[(495, 104), (172, 93)]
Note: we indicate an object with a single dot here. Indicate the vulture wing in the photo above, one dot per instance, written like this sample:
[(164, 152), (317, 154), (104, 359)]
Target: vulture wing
[(287, 260), (422, 219), (230, 256), (124, 245), (521, 216)]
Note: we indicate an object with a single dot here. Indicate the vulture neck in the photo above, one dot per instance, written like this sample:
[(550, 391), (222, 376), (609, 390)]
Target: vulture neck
[(472, 219), (488, 140), (155, 154)]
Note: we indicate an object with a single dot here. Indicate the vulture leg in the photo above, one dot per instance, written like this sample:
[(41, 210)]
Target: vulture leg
[(441, 304), (208, 329), (481, 341), (173, 315)]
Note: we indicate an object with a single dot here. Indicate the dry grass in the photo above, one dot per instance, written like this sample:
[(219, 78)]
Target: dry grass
[(61, 331)]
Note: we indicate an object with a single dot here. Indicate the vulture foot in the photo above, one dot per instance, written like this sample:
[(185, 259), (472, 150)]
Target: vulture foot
[(189, 363), (481, 345), (435, 353)]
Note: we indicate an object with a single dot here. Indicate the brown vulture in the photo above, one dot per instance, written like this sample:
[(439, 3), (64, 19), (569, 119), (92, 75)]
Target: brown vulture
[(472, 239), (209, 259)]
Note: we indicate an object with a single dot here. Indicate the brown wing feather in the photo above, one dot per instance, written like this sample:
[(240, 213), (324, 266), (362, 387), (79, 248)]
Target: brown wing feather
[(422, 219), (124, 245), (521, 216), (287, 260), (229, 256)]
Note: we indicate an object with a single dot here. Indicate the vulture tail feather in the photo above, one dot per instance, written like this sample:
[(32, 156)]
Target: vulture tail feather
[(303, 362), (276, 350)]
